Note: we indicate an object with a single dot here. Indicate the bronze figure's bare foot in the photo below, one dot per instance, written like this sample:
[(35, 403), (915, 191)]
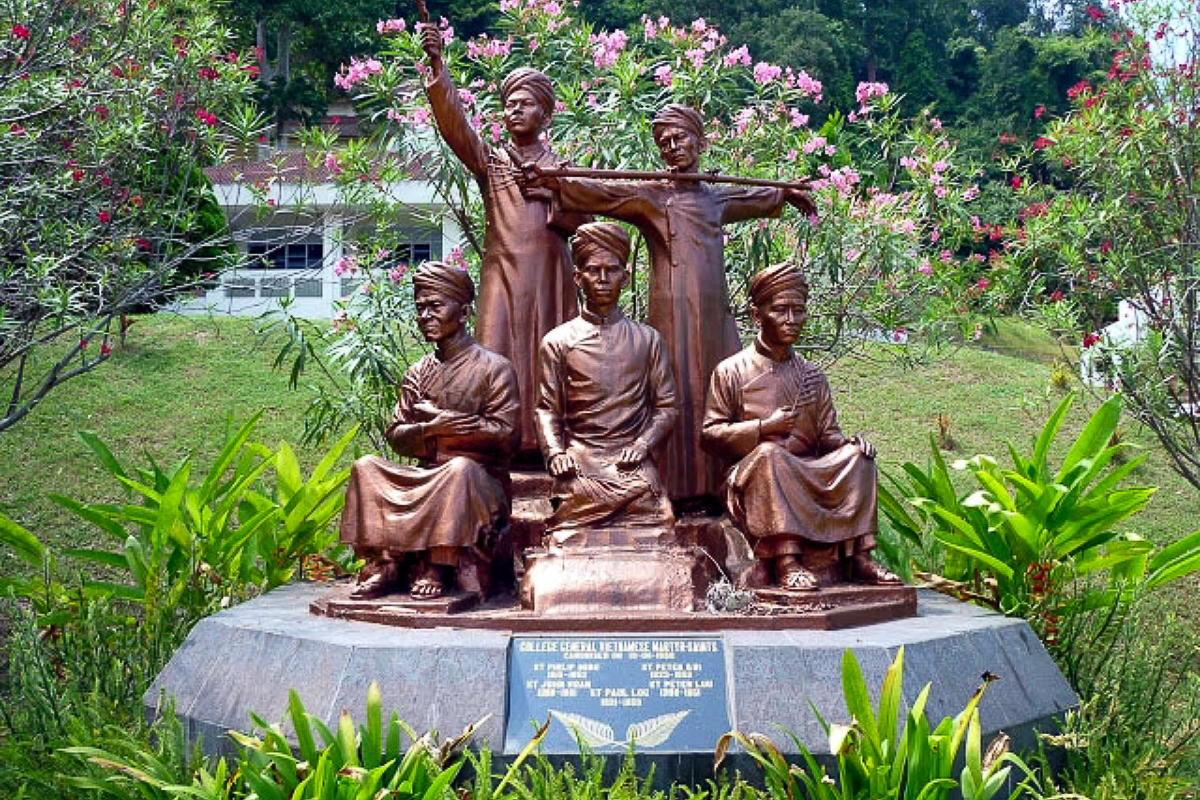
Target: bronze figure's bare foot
[(429, 586), (868, 571), (381, 581), (799, 579), (793, 576)]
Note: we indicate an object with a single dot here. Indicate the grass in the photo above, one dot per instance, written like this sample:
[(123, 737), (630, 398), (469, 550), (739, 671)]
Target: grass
[(177, 384)]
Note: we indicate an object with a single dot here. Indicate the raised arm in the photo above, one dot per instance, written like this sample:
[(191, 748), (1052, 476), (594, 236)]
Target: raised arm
[(448, 110)]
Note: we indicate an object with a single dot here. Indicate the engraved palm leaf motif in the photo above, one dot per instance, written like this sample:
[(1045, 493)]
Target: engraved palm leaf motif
[(594, 733)]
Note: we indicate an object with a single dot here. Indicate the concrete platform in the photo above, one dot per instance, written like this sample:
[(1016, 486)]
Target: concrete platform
[(248, 657)]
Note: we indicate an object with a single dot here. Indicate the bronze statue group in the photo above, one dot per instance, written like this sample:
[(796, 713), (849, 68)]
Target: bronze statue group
[(632, 422)]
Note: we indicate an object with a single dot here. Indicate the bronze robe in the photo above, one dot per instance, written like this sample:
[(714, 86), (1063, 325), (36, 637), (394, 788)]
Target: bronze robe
[(605, 383), (460, 488), (815, 485), (525, 282), (688, 293)]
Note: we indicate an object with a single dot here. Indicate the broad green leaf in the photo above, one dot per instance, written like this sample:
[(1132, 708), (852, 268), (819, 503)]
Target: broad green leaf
[(1049, 431), (27, 546), (1095, 435), (226, 457)]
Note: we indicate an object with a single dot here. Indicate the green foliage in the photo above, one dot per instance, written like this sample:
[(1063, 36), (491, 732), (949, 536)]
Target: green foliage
[(190, 546), (74, 676), (344, 763), (1126, 228), (1136, 733), (881, 259), (110, 109), (1023, 547), (876, 763)]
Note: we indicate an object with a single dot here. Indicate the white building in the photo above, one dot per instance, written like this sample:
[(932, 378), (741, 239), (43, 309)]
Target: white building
[(297, 238)]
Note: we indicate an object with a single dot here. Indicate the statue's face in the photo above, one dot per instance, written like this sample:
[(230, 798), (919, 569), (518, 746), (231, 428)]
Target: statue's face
[(782, 317), (680, 148), (440, 316), (600, 277), (523, 115)]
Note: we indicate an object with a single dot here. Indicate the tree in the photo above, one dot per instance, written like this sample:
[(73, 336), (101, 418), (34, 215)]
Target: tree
[(881, 259), (1129, 228), (107, 109)]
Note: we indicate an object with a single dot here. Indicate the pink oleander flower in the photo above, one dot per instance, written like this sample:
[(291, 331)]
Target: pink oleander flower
[(331, 163), (696, 56), (386, 26), (742, 120), (970, 193), (765, 73), (345, 265), (925, 268), (358, 71), (866, 91), (814, 144), (738, 56), (663, 75), (606, 47), (797, 119), (397, 273), (807, 85)]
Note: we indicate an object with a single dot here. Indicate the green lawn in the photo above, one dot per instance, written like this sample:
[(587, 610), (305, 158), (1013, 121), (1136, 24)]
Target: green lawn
[(173, 387)]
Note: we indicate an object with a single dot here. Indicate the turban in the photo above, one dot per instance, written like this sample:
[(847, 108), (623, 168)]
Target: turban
[(773, 280), (444, 279), (596, 236), (681, 117), (532, 81)]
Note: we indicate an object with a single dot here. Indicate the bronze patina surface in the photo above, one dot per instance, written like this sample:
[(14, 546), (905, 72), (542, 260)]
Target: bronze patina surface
[(795, 483), (525, 278), (833, 608), (457, 416), (688, 297)]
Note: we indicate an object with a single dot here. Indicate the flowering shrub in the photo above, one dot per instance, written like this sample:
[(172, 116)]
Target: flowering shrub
[(107, 110), (882, 254), (1128, 227)]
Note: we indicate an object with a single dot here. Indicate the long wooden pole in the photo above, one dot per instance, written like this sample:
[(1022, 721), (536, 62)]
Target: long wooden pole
[(636, 175)]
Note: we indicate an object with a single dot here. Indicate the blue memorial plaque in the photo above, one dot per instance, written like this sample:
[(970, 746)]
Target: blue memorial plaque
[(663, 693)]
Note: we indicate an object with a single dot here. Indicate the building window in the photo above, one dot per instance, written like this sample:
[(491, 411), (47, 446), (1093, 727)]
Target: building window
[(310, 288), (307, 252)]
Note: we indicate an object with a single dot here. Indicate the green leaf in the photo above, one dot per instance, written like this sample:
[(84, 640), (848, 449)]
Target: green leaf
[(1175, 561), (1049, 431), (102, 452), (93, 515), (26, 546), (226, 457), (1095, 435), (105, 557)]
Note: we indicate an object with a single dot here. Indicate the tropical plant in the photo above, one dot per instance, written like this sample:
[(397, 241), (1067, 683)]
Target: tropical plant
[(369, 762), (1020, 550), (875, 762), (188, 548)]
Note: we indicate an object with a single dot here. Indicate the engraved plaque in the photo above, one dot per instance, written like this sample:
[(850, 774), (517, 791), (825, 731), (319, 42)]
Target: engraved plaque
[(662, 693)]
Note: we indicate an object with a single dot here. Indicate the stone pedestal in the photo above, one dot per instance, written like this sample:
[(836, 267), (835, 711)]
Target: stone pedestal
[(248, 657)]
